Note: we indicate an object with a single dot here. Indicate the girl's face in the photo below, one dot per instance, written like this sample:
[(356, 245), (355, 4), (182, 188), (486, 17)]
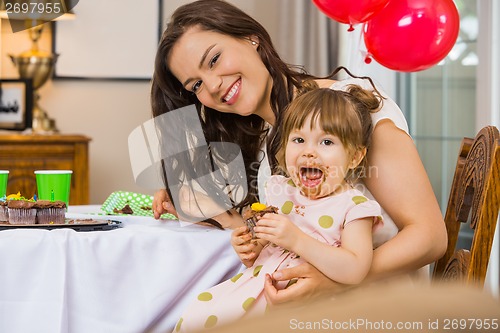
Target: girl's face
[(317, 161), (225, 73)]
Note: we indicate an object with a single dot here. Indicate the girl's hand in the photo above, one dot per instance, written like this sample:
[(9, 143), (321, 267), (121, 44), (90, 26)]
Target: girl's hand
[(162, 204), (246, 248), (278, 229), (311, 283)]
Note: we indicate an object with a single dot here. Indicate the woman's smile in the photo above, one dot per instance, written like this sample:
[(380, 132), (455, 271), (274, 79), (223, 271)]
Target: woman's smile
[(232, 95)]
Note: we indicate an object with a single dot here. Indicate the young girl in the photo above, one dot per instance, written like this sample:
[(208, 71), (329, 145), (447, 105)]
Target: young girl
[(323, 219)]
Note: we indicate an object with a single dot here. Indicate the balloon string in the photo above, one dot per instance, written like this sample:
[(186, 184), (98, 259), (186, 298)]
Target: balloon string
[(356, 54)]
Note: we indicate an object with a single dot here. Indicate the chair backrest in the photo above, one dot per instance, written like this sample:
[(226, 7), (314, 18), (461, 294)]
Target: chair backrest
[(474, 200)]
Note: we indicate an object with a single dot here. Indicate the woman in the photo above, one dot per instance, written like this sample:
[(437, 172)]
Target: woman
[(215, 56)]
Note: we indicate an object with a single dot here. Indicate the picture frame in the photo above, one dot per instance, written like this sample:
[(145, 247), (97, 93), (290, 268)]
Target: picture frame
[(104, 42), (16, 104)]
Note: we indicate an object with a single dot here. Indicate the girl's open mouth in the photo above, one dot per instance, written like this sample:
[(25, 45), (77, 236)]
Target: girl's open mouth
[(311, 177)]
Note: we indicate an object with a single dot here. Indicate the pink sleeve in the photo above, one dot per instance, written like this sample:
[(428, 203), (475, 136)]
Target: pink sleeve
[(369, 208)]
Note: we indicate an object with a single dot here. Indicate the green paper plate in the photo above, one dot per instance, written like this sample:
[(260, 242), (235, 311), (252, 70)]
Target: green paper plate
[(140, 204)]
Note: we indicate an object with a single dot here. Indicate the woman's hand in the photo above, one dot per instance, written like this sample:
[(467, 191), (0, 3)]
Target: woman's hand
[(278, 229), (162, 204), (311, 283), (246, 248)]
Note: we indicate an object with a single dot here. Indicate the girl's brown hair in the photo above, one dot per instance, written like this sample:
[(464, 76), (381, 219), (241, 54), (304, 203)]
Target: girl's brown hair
[(345, 114)]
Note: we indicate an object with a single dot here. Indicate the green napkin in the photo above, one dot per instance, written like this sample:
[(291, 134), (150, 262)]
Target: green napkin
[(140, 203)]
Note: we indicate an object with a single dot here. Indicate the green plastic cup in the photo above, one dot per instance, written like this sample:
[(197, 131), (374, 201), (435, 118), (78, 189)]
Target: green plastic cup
[(53, 185), (4, 176)]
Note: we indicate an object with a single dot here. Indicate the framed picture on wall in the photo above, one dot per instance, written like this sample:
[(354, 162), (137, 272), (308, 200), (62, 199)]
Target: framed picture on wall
[(108, 40), (16, 104)]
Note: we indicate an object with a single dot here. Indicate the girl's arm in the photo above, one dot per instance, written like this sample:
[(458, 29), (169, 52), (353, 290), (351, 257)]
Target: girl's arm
[(349, 263)]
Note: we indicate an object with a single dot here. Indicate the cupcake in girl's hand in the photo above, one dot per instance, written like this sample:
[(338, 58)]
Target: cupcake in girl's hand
[(251, 216)]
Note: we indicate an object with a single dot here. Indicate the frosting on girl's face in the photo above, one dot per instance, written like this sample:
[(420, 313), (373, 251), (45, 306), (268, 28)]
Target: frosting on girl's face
[(316, 161)]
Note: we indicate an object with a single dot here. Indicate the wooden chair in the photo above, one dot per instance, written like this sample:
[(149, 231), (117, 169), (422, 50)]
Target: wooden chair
[(474, 200)]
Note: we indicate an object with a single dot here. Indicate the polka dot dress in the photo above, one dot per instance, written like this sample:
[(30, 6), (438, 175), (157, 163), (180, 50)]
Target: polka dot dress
[(242, 295)]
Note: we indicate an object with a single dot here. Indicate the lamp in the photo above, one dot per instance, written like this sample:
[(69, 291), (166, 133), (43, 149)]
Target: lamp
[(36, 64)]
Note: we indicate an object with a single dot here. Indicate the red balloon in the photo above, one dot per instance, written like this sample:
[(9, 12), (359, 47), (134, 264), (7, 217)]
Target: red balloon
[(412, 35), (350, 11)]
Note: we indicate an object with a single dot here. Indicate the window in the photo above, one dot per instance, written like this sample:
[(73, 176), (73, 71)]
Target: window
[(440, 105)]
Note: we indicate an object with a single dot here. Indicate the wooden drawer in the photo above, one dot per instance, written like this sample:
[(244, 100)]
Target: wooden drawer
[(23, 154)]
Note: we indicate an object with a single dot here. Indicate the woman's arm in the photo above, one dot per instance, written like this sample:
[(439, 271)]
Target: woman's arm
[(400, 184), (163, 204)]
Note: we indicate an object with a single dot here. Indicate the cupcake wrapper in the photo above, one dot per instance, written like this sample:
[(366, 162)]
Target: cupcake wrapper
[(22, 216), (51, 216), (4, 214), (251, 222)]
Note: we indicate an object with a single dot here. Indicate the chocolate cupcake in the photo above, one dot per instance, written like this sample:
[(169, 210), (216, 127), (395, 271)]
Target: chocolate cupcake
[(21, 211), (257, 210), (4, 211), (50, 212)]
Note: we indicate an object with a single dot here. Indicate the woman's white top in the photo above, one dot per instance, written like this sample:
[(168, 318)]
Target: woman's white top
[(390, 110)]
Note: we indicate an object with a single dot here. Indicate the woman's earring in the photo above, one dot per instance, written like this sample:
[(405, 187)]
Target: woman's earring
[(254, 43)]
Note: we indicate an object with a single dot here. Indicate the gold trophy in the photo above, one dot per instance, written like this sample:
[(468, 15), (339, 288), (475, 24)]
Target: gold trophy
[(37, 65)]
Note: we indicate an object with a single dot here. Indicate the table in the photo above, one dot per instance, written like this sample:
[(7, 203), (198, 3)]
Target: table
[(121, 280)]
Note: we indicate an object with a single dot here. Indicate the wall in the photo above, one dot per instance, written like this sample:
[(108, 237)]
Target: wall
[(104, 111)]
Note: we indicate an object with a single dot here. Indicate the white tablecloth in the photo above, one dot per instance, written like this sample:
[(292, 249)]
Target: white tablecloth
[(108, 281)]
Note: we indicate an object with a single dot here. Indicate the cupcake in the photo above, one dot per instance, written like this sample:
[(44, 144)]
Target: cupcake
[(4, 211), (50, 212), (257, 210), (21, 211)]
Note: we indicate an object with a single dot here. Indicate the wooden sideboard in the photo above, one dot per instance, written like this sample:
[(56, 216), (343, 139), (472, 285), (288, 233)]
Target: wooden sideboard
[(23, 154)]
